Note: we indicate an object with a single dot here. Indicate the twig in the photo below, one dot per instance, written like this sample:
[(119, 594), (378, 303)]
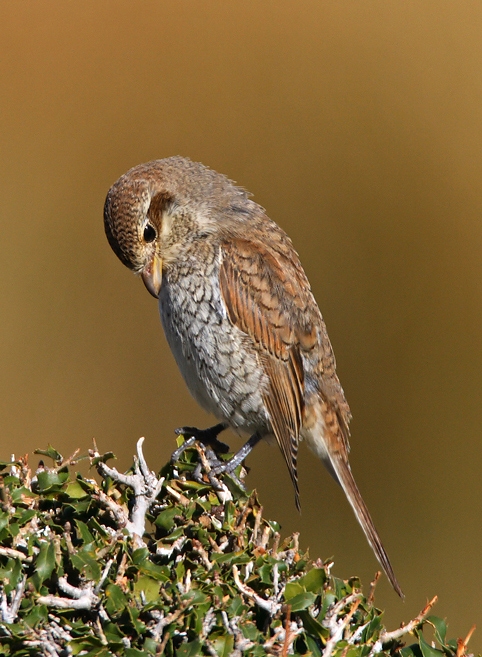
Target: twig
[(386, 637), (9, 611), (177, 545), (462, 643), (163, 643), (146, 487), (197, 547), (241, 644), (271, 606), (287, 641), (208, 622), (337, 626), (373, 585), (257, 522), (79, 598), (220, 488), (103, 577), (14, 554)]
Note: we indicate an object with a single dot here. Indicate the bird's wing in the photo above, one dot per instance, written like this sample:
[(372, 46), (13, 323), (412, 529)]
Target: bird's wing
[(265, 294)]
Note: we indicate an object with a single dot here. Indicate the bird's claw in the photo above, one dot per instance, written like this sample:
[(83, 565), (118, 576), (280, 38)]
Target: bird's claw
[(212, 466), (208, 437), (180, 450)]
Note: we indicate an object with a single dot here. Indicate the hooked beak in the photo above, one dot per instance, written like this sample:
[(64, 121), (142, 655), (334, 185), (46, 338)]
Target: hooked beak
[(152, 276)]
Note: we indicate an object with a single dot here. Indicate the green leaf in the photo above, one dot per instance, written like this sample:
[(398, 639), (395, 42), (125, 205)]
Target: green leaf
[(26, 517), (11, 574), (237, 606), (372, 630), (139, 556), (133, 652), (327, 600), (165, 520), (224, 645), (97, 528), (234, 487), (103, 458), (314, 580), (19, 494), (150, 646), (192, 649), (14, 528), (195, 597), (250, 631), (348, 651), (229, 514), (313, 646), (440, 628), (37, 616), (259, 651), (410, 651), (180, 571), (116, 601), (45, 562), (275, 526), (266, 573), (51, 453), (75, 491), (341, 588), (49, 481), (148, 586), (239, 557), (139, 626), (426, 648), (8, 464), (302, 601), (161, 573), (313, 626), (86, 563), (4, 520), (89, 646), (293, 589), (84, 532)]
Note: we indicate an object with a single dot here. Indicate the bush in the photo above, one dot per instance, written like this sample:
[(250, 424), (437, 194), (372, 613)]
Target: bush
[(180, 565)]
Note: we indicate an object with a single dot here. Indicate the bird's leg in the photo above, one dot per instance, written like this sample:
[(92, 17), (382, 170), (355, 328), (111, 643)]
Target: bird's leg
[(227, 467), (206, 467), (208, 437)]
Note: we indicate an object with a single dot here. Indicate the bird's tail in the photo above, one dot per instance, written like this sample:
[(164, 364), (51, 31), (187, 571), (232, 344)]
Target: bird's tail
[(328, 441), (345, 477)]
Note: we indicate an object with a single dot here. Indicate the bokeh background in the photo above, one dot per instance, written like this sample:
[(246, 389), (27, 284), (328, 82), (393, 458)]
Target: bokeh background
[(358, 126)]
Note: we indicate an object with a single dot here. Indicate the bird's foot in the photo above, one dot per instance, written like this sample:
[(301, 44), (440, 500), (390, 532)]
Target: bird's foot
[(208, 437), (228, 467), (211, 467)]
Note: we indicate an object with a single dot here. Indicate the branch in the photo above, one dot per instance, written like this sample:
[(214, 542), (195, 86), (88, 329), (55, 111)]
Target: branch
[(79, 598), (146, 487)]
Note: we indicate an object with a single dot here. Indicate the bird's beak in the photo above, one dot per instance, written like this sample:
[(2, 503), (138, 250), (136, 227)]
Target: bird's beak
[(152, 276)]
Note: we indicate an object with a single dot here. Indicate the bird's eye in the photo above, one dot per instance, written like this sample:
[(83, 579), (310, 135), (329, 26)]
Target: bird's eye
[(149, 233)]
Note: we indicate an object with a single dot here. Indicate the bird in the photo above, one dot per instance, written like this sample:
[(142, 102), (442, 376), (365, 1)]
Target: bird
[(239, 315)]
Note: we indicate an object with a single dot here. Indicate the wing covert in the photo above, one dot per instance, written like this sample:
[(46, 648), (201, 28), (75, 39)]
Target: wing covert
[(264, 299)]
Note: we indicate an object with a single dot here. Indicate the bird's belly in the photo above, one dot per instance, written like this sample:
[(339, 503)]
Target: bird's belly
[(216, 360)]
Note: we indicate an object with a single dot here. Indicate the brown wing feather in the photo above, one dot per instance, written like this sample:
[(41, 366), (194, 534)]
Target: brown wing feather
[(262, 294)]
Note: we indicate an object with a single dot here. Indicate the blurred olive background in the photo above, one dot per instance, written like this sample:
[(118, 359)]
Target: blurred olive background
[(358, 127)]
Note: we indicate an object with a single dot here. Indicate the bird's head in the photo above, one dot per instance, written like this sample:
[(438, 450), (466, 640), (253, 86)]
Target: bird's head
[(156, 208)]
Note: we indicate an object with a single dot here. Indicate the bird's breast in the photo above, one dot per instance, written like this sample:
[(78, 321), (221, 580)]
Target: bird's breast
[(217, 360)]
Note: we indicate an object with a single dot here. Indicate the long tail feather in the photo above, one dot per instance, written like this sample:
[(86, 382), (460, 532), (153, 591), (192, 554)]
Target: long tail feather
[(345, 477)]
